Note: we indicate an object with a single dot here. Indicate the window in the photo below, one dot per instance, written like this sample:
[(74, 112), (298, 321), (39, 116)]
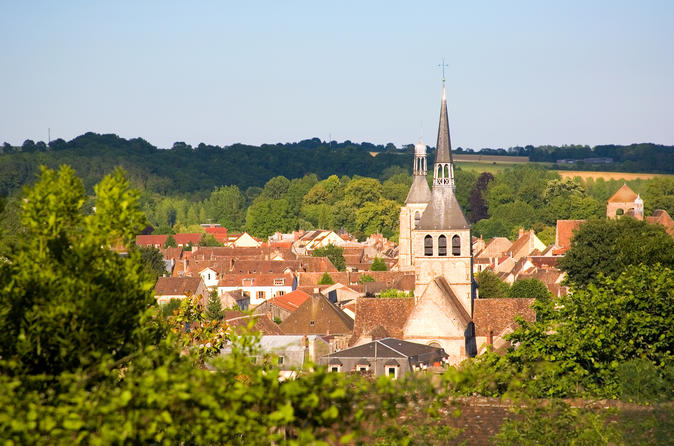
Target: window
[(279, 281), (456, 245), (280, 360), (312, 323), (260, 294), (334, 368), (391, 372), (442, 245), (248, 282), (209, 276), (362, 368), (280, 293), (428, 245), (417, 219)]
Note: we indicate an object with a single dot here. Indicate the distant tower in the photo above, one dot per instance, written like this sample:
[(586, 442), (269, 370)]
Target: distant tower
[(625, 202), (639, 208)]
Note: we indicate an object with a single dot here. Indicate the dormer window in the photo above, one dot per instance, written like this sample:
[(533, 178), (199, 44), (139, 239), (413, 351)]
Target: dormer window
[(248, 282), (279, 282)]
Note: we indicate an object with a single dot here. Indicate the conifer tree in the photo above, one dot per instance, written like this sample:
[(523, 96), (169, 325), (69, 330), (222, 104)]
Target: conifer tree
[(214, 307)]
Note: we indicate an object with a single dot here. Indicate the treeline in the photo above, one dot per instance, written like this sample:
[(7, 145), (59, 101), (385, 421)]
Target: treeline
[(645, 157), (184, 169)]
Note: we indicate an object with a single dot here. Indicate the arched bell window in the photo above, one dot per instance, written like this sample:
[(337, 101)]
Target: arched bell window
[(456, 245), (428, 245), (417, 219), (442, 245)]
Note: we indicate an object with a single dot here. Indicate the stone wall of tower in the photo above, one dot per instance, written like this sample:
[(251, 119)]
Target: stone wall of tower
[(457, 270), (405, 240)]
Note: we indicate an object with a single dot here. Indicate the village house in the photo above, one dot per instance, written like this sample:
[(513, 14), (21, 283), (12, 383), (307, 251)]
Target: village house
[(259, 287), (168, 288), (280, 307), (378, 318), (318, 316), (385, 357)]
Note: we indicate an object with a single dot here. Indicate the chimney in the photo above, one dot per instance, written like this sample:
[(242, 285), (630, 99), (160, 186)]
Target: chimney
[(521, 232), (490, 337), (317, 290)]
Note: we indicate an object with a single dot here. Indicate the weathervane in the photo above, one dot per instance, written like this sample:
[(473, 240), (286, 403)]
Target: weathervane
[(443, 65)]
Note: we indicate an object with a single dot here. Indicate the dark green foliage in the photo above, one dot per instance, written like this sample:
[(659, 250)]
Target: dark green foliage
[(378, 265), (334, 253), (490, 286), (529, 289), (153, 261), (326, 279), (214, 306), (170, 242), (170, 307), (610, 246)]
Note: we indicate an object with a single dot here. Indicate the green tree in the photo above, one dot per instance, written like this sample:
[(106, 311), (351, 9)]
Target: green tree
[(265, 217), (170, 242), (275, 188), (380, 217), (153, 261), (490, 286), (61, 281), (363, 190), (208, 240), (326, 279), (214, 306), (365, 278), (591, 331), (226, 206), (529, 289), (378, 265), (610, 246), (334, 253)]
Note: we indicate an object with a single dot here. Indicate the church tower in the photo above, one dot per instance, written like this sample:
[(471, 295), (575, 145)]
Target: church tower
[(441, 257), (415, 204)]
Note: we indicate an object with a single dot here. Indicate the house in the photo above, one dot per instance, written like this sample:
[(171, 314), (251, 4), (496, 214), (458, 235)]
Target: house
[(280, 307), (661, 217), (188, 239), (495, 318), (259, 287), (564, 234), (312, 240), (317, 315), (261, 323), (235, 299), (526, 243), (168, 288), (210, 277), (155, 241), (385, 357), (378, 318), (494, 250), (244, 240)]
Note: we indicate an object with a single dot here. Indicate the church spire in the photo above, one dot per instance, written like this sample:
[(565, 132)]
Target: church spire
[(443, 173)]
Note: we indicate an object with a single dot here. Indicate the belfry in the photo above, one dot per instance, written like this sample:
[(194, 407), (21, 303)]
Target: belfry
[(435, 243)]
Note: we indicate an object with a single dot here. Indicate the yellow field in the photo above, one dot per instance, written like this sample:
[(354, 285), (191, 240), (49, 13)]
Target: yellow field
[(608, 175)]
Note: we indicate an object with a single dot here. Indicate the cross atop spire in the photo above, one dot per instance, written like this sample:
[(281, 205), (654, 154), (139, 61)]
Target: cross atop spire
[(443, 65)]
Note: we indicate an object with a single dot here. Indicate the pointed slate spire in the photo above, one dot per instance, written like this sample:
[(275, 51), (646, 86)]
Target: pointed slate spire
[(443, 152)]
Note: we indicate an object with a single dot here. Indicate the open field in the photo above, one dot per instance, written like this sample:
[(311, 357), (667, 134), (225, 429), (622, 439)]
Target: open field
[(464, 157), (609, 175)]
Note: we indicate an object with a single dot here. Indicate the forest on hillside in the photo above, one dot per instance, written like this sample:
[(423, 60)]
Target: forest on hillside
[(195, 171)]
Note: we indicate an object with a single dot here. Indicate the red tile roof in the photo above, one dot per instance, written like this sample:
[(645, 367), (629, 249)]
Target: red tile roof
[(564, 232), (263, 324), (188, 238), (317, 315), (259, 279), (496, 315), (388, 314), (623, 195), (290, 301), (150, 240), (175, 286)]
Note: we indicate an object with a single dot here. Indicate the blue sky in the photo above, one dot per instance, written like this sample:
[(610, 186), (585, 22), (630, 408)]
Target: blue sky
[(520, 72)]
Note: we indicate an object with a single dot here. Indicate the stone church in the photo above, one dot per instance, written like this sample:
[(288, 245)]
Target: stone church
[(435, 243)]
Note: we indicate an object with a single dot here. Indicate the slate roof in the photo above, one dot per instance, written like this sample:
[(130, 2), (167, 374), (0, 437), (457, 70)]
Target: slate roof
[(388, 314), (419, 191), (443, 153), (443, 211), (317, 315), (623, 195), (388, 348), (174, 286), (496, 315)]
